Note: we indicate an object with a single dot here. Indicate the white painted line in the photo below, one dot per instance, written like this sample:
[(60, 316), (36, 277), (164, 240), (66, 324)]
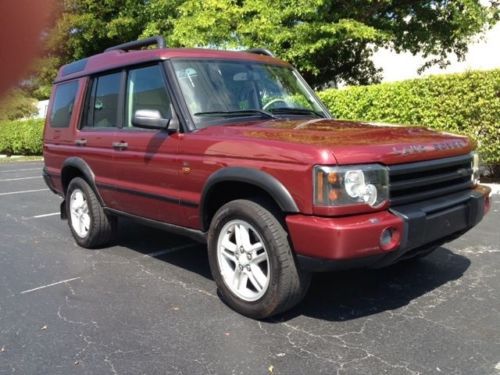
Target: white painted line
[(20, 178), (21, 170), (168, 251), (45, 215), (49, 285), (23, 192)]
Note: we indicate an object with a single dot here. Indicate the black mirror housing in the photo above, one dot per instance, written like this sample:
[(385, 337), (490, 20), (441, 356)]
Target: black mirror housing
[(149, 119)]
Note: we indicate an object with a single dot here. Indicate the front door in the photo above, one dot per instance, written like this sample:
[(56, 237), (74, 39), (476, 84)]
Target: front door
[(147, 162)]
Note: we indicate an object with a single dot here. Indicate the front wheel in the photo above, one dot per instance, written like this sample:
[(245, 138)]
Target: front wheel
[(252, 262)]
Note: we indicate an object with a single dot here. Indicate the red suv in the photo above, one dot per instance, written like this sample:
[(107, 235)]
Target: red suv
[(235, 150)]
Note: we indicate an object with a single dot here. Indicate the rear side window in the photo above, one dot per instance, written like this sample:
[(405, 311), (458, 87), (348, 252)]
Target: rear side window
[(62, 107), (101, 107)]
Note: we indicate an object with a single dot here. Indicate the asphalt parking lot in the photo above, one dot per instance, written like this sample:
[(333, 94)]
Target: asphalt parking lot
[(148, 305)]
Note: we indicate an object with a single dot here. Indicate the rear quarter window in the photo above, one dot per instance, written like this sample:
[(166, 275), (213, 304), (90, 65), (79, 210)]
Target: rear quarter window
[(62, 105)]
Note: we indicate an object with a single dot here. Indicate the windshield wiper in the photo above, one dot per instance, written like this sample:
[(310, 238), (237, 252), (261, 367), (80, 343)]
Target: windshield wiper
[(296, 111), (242, 112)]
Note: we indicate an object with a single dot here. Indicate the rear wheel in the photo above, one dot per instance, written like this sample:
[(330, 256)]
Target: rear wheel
[(252, 262), (89, 224)]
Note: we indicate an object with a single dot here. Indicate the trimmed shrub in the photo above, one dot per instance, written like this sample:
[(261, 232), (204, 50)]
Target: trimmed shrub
[(466, 104), (21, 137)]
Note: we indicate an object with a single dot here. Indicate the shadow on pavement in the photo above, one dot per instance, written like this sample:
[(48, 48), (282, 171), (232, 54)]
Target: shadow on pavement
[(191, 255), (354, 294), (334, 296)]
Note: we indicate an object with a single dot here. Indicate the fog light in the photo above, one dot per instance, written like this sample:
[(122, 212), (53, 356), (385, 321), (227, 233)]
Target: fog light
[(386, 237), (389, 239)]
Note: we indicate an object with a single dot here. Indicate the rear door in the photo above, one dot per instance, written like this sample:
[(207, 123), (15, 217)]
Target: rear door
[(147, 161), (97, 131)]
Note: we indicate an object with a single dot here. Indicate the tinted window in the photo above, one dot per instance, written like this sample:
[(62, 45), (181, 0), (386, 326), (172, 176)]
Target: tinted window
[(146, 90), (101, 109), (64, 99)]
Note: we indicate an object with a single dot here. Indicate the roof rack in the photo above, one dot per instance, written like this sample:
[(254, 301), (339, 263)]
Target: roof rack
[(158, 40), (260, 51)]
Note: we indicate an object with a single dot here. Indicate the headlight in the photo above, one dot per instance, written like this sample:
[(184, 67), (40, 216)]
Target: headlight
[(348, 185), (475, 168)]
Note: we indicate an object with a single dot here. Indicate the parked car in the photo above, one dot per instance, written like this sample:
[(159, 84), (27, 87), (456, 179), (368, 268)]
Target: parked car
[(235, 150)]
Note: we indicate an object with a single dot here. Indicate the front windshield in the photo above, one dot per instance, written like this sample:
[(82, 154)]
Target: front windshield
[(215, 90)]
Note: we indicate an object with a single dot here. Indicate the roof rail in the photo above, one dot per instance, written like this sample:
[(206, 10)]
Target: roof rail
[(158, 40), (260, 51)]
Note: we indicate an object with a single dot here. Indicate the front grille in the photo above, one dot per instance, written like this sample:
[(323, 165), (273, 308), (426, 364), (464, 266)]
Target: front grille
[(414, 182)]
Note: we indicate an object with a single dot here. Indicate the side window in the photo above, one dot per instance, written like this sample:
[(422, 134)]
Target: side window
[(146, 90), (62, 107), (101, 108)]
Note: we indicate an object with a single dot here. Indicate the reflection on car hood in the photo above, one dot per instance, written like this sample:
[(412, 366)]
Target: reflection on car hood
[(354, 142)]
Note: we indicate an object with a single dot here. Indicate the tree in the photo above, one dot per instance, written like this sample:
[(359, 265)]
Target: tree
[(88, 27), (15, 105), (328, 41), (83, 28), (333, 41)]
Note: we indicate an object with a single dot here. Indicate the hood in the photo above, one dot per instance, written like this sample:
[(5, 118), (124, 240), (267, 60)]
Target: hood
[(355, 142)]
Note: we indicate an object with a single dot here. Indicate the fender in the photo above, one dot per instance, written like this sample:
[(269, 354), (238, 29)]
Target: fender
[(255, 177), (85, 170)]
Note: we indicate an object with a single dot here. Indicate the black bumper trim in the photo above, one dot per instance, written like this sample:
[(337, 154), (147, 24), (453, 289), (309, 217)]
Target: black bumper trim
[(326, 265)]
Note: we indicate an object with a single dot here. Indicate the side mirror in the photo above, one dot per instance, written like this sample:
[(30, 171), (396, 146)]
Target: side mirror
[(150, 119)]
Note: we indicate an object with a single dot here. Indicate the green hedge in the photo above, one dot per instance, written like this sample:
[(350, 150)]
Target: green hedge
[(467, 103), (21, 137)]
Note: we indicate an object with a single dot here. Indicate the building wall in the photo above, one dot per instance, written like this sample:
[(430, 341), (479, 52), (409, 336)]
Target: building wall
[(42, 107), (483, 54)]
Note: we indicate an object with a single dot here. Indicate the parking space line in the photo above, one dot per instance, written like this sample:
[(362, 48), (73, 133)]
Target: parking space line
[(48, 285), (21, 170), (45, 215), (20, 178), (23, 192)]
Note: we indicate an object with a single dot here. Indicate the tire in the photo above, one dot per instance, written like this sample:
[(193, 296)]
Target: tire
[(88, 223), (252, 262)]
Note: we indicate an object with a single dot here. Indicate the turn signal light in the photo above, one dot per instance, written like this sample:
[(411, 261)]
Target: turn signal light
[(333, 178), (333, 195)]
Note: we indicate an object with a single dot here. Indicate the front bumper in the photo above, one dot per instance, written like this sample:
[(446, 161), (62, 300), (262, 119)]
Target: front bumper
[(323, 244)]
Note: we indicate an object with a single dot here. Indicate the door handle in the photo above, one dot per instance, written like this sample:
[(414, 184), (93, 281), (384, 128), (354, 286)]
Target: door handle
[(120, 145), (81, 142)]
